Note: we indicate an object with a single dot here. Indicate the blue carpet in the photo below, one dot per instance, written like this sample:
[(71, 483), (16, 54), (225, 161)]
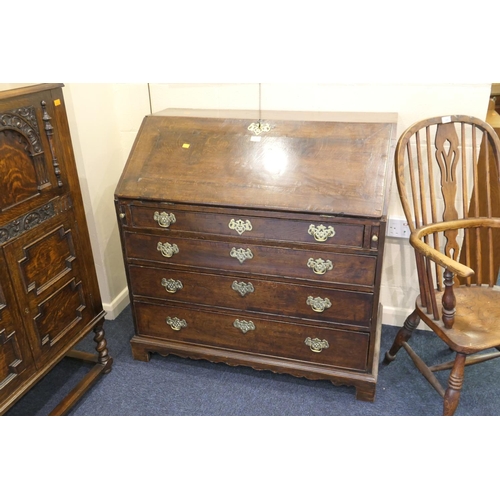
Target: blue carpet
[(169, 386)]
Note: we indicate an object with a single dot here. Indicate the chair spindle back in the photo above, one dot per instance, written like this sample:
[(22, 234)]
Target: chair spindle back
[(445, 168)]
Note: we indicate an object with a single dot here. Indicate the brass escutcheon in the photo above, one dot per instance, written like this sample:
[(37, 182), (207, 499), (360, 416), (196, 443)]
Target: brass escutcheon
[(241, 254), (258, 128), (243, 325), (242, 287), (239, 226), (167, 250), (171, 285), (321, 233), (164, 219), (176, 323), (318, 304), (320, 266), (316, 345)]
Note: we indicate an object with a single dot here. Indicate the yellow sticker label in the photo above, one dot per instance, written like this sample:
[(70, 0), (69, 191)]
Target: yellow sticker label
[(57, 102), (186, 146)]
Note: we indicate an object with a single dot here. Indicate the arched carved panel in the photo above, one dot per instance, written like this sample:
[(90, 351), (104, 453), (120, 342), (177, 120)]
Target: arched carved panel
[(22, 165)]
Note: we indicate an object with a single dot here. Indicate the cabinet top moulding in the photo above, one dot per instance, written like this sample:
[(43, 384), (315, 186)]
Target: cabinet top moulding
[(25, 89), (297, 161)]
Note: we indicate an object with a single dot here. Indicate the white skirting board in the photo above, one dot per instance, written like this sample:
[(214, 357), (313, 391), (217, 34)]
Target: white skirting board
[(121, 301)]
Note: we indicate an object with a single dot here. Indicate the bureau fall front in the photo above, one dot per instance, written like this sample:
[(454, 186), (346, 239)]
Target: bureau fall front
[(259, 241)]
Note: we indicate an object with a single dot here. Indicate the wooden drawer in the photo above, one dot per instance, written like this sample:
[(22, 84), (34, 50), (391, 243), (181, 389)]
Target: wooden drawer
[(268, 337), (250, 226), (347, 269), (300, 301)]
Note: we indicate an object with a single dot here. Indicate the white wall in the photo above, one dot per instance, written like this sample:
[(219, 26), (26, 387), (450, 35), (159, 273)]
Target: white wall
[(104, 120)]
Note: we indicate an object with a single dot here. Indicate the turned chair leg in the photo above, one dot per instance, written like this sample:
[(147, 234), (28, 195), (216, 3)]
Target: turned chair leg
[(455, 382), (403, 335)]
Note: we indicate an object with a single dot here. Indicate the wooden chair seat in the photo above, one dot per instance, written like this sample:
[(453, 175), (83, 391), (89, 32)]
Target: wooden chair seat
[(477, 319)]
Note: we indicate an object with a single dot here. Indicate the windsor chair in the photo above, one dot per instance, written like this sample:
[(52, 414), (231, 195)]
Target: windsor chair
[(448, 178)]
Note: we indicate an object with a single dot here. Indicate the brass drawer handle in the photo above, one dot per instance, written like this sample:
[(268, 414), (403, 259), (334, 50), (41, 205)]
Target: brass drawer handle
[(164, 219), (176, 323), (321, 233), (167, 250), (318, 304), (171, 285), (242, 287), (316, 345), (243, 325), (241, 254), (320, 266), (239, 226)]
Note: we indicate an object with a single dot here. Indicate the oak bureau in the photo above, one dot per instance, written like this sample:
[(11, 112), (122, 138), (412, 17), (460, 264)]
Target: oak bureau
[(258, 241)]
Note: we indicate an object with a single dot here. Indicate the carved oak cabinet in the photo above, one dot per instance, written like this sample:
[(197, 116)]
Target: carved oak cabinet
[(49, 296), (259, 242)]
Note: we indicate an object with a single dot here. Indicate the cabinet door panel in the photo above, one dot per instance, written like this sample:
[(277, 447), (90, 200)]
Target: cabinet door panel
[(47, 259), (16, 363), (48, 282)]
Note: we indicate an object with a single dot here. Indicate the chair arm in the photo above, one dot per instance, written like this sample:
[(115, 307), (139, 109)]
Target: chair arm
[(440, 258)]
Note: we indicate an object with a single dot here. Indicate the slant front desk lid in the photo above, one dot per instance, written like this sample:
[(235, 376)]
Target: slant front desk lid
[(334, 163)]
